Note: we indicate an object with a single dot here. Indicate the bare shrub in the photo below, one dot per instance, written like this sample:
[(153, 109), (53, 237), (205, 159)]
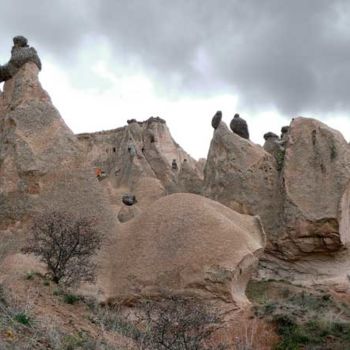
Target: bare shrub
[(179, 323), (66, 244)]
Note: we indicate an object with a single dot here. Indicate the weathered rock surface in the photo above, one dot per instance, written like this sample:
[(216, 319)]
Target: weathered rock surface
[(188, 180), (242, 176), (42, 165), (141, 149), (187, 244), (301, 192), (316, 174)]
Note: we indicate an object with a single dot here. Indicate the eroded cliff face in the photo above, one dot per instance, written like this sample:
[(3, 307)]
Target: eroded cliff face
[(139, 150), (42, 165), (315, 175), (244, 177), (301, 194)]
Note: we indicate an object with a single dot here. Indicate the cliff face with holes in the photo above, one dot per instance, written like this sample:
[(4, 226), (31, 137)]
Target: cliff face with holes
[(141, 150)]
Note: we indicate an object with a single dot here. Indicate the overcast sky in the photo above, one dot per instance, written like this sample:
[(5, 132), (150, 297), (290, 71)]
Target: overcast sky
[(105, 61)]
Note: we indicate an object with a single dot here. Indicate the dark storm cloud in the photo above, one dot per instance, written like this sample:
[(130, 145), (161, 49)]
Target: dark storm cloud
[(293, 55)]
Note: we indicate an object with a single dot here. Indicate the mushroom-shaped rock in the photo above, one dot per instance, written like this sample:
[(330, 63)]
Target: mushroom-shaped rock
[(270, 135), (239, 126), (216, 119), (273, 145), (187, 244), (21, 54)]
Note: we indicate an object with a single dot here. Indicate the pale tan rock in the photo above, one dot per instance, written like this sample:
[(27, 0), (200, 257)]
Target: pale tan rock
[(141, 149), (147, 190), (187, 244), (244, 177), (316, 173), (42, 165), (189, 179)]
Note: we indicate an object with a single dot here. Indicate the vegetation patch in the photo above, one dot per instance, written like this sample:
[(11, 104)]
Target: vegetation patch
[(70, 298), (22, 318), (172, 323), (304, 319), (66, 244), (279, 155)]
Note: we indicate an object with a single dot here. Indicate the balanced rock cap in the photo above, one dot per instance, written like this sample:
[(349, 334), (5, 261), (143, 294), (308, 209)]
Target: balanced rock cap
[(216, 119)]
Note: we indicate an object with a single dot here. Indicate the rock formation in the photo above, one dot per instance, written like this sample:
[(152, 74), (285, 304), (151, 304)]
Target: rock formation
[(187, 244), (242, 176), (189, 180), (216, 119), (239, 126), (129, 199), (274, 146), (301, 194), (42, 165), (141, 149), (21, 53), (316, 174)]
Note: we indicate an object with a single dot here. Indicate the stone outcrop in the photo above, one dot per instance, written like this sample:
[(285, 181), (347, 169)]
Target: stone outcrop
[(299, 187), (271, 144), (42, 165), (316, 175), (189, 179), (140, 149), (242, 176), (275, 146), (187, 244), (21, 54)]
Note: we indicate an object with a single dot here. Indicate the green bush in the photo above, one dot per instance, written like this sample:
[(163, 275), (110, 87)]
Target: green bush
[(292, 335), (22, 318), (70, 298)]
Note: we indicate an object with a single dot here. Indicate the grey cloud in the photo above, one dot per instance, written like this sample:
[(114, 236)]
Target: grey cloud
[(292, 55)]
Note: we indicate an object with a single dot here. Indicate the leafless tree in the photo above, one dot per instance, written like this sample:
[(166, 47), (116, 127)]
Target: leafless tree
[(66, 243), (179, 323)]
